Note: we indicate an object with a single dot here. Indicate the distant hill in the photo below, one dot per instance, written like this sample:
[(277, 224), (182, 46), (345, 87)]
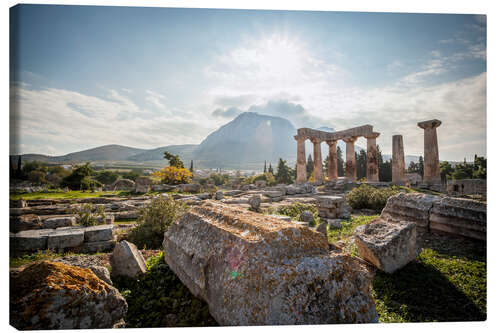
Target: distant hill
[(185, 152)]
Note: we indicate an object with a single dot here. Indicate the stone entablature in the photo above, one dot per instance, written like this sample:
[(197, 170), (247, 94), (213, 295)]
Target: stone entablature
[(349, 136)]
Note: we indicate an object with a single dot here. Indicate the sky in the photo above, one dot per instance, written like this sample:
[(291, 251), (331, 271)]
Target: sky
[(85, 76)]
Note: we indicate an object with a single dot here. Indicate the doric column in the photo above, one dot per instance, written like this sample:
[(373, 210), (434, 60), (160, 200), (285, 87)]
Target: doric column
[(301, 160), (332, 160), (431, 153), (398, 160), (350, 163), (372, 157), (318, 162)]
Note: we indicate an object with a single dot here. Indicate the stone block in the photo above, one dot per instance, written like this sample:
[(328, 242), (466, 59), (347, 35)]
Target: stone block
[(281, 217), (329, 201), (253, 269), (126, 260), (65, 238), (387, 245), (25, 222), (100, 246), (57, 222), (29, 240), (98, 233)]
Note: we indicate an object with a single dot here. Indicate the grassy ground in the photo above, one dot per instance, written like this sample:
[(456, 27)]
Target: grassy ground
[(447, 282), (66, 195)]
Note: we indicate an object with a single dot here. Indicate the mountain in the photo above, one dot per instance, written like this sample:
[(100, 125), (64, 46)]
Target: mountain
[(185, 153), (247, 141)]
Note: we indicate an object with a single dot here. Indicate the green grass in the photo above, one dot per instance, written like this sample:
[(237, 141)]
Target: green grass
[(66, 195), (417, 190), (125, 221), (41, 255), (435, 287), (348, 227)]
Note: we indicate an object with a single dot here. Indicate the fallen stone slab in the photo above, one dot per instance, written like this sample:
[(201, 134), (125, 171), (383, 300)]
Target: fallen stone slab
[(58, 222), (411, 207), (98, 233), (29, 240), (458, 216), (65, 238), (126, 260), (100, 246), (281, 217), (273, 194), (255, 270), (387, 245), (25, 222), (52, 295)]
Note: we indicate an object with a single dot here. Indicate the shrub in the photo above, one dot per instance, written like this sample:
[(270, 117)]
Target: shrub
[(158, 293), (295, 210), (37, 177), (88, 183), (153, 221), (74, 180), (369, 197), (107, 177), (89, 215), (268, 177), (173, 175)]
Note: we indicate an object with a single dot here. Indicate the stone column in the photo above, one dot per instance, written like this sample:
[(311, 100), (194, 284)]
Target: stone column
[(398, 160), (372, 157), (301, 160), (332, 160), (431, 154), (318, 162), (350, 164)]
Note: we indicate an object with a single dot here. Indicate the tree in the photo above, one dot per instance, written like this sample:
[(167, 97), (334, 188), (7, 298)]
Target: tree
[(412, 167), (173, 175), (270, 170), (107, 176), (309, 166), (384, 168), (19, 171), (340, 162), (479, 167), (361, 164), (420, 166), (75, 180), (284, 174), (445, 169), (265, 168), (173, 160), (37, 177), (463, 171), (191, 168)]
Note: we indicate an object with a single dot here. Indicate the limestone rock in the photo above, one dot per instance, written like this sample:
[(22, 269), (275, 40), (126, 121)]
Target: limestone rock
[(50, 295), (29, 240), (57, 222), (25, 222), (219, 195), (98, 233), (387, 245), (281, 217), (411, 207), (126, 260), (254, 202), (123, 185), (99, 246), (255, 270), (65, 238), (189, 188), (307, 216), (457, 216), (322, 228), (334, 223)]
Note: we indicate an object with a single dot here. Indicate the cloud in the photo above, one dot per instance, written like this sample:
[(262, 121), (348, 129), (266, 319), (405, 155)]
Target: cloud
[(156, 99), (228, 113)]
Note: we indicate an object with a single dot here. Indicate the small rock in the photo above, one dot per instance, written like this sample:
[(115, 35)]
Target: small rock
[(334, 223), (254, 202), (219, 195), (307, 216), (126, 260), (322, 228)]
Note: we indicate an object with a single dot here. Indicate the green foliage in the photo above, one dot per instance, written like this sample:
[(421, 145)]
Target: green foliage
[(89, 215), (284, 175), (132, 175), (219, 179), (74, 180), (348, 227), (29, 258), (64, 195), (268, 177), (173, 160), (158, 293), (360, 163), (309, 166), (37, 177), (384, 168), (369, 197), (340, 162), (153, 221), (88, 183), (107, 177), (270, 169), (295, 210), (445, 170)]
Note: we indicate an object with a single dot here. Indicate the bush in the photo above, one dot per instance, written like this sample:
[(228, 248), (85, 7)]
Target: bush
[(89, 215), (295, 210), (369, 197), (153, 221), (74, 180), (268, 177), (158, 293), (88, 183), (107, 177), (173, 175)]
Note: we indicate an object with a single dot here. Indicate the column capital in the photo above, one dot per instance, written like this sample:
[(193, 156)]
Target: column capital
[(331, 142), (373, 135), (299, 138), (434, 123), (315, 140), (350, 139)]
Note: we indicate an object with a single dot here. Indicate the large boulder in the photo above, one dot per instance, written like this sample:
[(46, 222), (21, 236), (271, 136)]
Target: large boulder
[(254, 202), (49, 295), (143, 184), (411, 207), (457, 216), (253, 269), (189, 188), (126, 260), (387, 245), (65, 238)]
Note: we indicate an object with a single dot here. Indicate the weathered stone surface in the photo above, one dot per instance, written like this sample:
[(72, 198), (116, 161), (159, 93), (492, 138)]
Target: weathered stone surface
[(334, 223), (260, 183), (254, 202), (57, 222), (398, 160), (307, 216), (255, 270), (233, 193), (98, 233), (29, 240), (189, 188), (387, 245), (204, 196), (100, 246), (281, 217), (329, 201), (126, 215), (123, 185), (65, 238), (332, 207), (411, 207), (273, 194), (219, 195), (431, 151), (87, 262), (322, 228), (51, 295), (462, 217), (126, 260), (25, 222)]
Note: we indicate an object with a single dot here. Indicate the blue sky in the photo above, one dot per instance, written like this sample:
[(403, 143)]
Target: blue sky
[(84, 76)]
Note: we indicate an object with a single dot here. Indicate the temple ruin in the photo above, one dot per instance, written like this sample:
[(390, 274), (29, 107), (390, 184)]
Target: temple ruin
[(349, 136)]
